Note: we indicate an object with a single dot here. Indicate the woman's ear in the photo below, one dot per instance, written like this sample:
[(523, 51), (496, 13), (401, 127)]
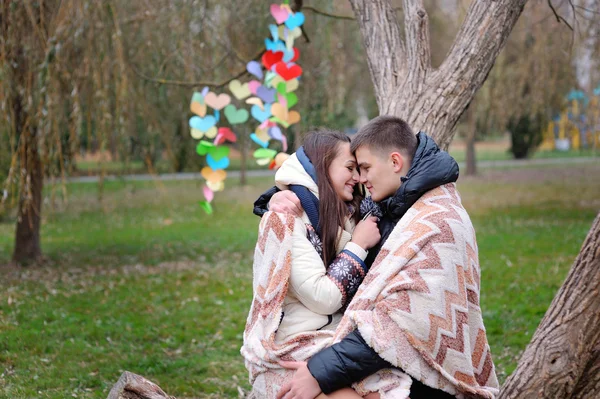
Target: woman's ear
[(397, 161)]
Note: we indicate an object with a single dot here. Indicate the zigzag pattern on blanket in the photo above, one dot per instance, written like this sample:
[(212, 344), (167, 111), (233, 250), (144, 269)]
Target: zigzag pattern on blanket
[(419, 305)]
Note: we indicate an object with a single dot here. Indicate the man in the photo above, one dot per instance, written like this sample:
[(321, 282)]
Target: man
[(424, 318)]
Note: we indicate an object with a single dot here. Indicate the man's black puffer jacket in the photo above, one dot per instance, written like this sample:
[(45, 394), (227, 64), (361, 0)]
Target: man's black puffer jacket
[(351, 359)]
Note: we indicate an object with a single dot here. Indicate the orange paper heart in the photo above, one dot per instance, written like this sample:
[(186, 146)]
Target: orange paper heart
[(198, 109), (213, 176)]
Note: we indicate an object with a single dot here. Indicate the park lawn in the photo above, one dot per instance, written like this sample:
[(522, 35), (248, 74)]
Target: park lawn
[(145, 281)]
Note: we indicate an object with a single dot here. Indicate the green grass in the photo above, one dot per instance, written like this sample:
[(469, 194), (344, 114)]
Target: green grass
[(502, 154), (145, 281)]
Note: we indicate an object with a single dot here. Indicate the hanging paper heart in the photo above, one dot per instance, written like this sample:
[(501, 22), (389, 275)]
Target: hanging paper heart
[(197, 108), (255, 69), (271, 58), (261, 114), (255, 101), (292, 99), (217, 115), (239, 90), (214, 164), (275, 133), (291, 36), (294, 21), (266, 94), (291, 85), (274, 31), (235, 116), (216, 186), (198, 97), (213, 176), (264, 155), (217, 102), (282, 116), (210, 133), (258, 141), (277, 45), (225, 134), (262, 133), (279, 13), (216, 152), (204, 91), (288, 73), (269, 76), (206, 206), (291, 55), (202, 124), (208, 193), (263, 161), (253, 85)]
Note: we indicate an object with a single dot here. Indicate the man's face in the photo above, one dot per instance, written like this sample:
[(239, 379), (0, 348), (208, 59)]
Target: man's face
[(378, 173)]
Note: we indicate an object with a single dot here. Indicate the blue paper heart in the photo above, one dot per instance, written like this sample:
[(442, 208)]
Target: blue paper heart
[(263, 144), (294, 21), (202, 124), (266, 94), (222, 163), (288, 54), (217, 115), (274, 31), (255, 69), (274, 45), (259, 114)]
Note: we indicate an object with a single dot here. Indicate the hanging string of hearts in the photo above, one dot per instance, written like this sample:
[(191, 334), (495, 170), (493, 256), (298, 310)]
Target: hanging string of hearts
[(270, 95)]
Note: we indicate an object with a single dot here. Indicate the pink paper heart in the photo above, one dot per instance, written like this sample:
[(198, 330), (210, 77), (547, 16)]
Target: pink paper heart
[(253, 85), (208, 194), (279, 13)]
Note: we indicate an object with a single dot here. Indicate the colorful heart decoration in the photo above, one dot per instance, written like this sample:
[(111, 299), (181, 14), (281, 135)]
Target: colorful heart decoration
[(270, 97)]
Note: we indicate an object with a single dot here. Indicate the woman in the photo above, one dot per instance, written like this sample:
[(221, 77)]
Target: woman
[(298, 301)]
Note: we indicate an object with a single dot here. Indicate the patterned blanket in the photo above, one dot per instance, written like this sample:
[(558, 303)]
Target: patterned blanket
[(418, 306)]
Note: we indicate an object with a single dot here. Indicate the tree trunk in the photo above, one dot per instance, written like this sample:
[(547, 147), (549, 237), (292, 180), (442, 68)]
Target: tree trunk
[(27, 238), (431, 100), (563, 358)]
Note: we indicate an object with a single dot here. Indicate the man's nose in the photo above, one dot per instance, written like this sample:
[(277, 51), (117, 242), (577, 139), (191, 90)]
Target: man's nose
[(363, 177)]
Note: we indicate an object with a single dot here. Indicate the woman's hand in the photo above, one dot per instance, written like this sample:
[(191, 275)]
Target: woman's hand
[(366, 234), (286, 202)]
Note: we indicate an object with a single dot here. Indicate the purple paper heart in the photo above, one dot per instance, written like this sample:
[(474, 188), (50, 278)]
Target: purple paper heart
[(265, 94), (255, 69), (275, 133), (204, 91)]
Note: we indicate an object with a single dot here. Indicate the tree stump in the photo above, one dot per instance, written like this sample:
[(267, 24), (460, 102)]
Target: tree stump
[(133, 386)]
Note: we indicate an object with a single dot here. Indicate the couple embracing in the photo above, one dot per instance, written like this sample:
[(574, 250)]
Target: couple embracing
[(367, 296)]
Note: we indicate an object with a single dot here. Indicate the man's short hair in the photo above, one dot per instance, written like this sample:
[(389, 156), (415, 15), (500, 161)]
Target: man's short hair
[(386, 134)]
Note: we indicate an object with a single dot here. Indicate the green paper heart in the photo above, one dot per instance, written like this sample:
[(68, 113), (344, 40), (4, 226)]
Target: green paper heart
[(265, 153), (277, 120), (282, 88), (206, 206), (219, 152), (292, 99), (269, 76), (204, 147), (198, 97), (236, 116)]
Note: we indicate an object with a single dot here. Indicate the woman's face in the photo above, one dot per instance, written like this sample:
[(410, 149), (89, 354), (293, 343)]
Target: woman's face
[(343, 172)]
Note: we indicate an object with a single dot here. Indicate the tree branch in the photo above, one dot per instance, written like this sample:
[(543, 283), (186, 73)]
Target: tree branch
[(194, 84), (416, 26), (335, 16), (558, 17), (384, 46)]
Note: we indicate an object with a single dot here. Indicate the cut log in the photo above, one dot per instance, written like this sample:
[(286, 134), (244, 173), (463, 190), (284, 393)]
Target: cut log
[(133, 386)]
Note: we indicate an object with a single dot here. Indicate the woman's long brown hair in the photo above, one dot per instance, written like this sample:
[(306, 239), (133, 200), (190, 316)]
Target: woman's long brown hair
[(321, 147)]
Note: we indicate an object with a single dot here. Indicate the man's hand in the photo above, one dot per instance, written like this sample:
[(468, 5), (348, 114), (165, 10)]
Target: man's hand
[(302, 386), (286, 202)]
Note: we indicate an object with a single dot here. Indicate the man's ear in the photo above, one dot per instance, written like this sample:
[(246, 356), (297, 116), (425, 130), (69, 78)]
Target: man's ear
[(397, 161)]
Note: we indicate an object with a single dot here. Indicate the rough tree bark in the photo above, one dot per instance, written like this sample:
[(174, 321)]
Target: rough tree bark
[(563, 358), (406, 85)]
